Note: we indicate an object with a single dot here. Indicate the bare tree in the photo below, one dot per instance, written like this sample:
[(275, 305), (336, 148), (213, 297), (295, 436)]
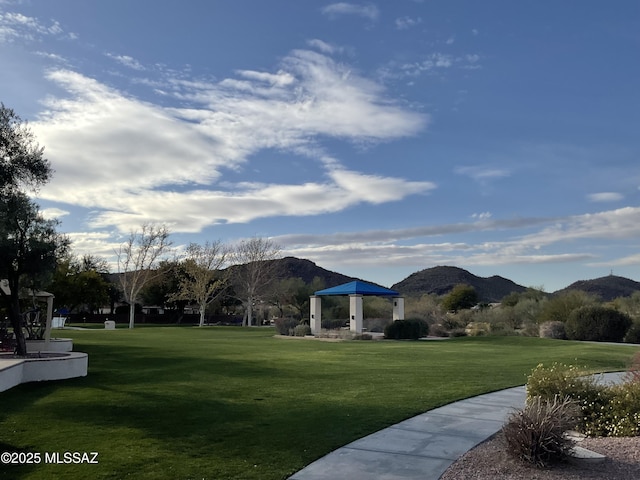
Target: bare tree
[(138, 260), (254, 271), (203, 280)]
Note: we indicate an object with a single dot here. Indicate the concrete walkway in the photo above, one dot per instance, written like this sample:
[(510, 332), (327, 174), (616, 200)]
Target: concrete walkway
[(424, 446)]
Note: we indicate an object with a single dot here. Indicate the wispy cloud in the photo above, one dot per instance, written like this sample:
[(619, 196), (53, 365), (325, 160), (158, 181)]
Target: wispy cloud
[(407, 247), (369, 11), (127, 61), (482, 173), (132, 161), (405, 23), (605, 197), (324, 47), (16, 26)]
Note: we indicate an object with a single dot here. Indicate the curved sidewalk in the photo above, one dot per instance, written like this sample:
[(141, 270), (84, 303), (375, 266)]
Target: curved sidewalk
[(424, 446)]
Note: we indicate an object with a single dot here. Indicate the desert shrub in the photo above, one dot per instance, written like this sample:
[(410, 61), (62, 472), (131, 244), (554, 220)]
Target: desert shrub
[(438, 330), (363, 336), (563, 380), (458, 332), (536, 434), (597, 323), (619, 416), (612, 410), (478, 329), (375, 324), (301, 330), (633, 372), (633, 334), (553, 329), (333, 324), (559, 307), (460, 297), (410, 329), (285, 325), (501, 329)]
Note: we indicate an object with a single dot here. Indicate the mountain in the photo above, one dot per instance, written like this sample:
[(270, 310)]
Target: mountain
[(606, 288), (291, 267), (440, 280)]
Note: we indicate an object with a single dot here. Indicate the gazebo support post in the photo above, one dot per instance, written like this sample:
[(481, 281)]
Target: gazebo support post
[(398, 308), (315, 315), (355, 313)]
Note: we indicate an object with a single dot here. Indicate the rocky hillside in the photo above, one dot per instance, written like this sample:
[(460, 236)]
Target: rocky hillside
[(440, 281), (606, 288), (291, 267)]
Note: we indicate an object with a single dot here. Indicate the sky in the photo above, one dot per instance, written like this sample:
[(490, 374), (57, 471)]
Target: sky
[(375, 139)]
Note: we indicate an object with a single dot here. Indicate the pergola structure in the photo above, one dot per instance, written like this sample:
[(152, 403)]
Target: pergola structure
[(355, 290), (40, 296)]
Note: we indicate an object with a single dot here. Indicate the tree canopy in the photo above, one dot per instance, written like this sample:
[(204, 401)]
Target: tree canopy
[(29, 244)]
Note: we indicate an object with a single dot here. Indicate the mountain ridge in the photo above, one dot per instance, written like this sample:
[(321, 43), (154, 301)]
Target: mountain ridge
[(439, 280)]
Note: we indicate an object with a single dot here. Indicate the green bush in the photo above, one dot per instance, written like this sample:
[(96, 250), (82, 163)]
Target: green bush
[(633, 334), (285, 325), (597, 323), (333, 324), (553, 329), (536, 434), (563, 380), (608, 411), (410, 329), (301, 330)]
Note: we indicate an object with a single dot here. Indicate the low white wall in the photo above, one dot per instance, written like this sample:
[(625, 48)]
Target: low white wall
[(73, 364), (55, 345), (10, 373), (65, 365)]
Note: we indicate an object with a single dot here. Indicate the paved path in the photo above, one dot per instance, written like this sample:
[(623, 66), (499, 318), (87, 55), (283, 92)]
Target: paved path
[(424, 446)]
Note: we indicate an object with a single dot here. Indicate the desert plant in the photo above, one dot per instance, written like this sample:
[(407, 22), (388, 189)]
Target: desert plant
[(553, 329), (563, 380), (301, 330), (536, 434), (411, 329), (333, 324), (597, 323), (376, 324), (478, 329), (633, 334), (285, 325)]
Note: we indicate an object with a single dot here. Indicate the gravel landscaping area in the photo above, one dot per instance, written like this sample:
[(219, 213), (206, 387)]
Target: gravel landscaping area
[(489, 461)]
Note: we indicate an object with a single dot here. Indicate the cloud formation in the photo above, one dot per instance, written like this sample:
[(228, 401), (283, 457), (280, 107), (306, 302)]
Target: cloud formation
[(132, 161), (369, 11)]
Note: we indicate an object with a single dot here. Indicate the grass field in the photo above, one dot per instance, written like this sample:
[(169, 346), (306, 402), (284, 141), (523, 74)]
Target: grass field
[(233, 403)]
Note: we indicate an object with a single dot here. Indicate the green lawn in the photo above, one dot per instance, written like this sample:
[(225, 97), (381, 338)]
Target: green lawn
[(233, 403)]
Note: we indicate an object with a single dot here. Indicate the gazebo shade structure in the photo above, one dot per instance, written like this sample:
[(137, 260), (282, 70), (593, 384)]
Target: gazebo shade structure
[(358, 287), (355, 290)]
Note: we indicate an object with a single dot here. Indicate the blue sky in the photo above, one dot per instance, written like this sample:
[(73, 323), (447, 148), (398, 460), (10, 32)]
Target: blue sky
[(373, 138)]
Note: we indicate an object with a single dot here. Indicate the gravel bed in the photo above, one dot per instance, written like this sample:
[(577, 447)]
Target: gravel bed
[(489, 461)]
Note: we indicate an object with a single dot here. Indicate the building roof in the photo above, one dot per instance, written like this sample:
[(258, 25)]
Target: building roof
[(358, 287)]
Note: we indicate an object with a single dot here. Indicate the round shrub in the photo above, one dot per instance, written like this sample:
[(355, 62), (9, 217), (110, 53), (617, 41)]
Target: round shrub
[(597, 323), (301, 330), (553, 329), (285, 325), (633, 334), (411, 329)]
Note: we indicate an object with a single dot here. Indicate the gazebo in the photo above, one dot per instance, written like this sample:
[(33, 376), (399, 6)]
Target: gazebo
[(355, 290), (43, 297)]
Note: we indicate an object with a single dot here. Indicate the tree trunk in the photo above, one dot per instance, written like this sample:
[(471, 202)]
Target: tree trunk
[(202, 316), (132, 314), (249, 312), (16, 323)]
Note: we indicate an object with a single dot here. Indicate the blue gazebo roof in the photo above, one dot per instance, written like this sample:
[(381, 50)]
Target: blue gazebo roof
[(358, 287)]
